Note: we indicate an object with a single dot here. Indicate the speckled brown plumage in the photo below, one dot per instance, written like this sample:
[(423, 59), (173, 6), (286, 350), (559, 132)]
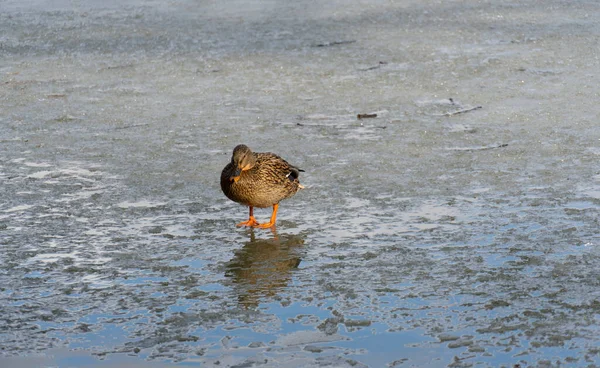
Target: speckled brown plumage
[(259, 180)]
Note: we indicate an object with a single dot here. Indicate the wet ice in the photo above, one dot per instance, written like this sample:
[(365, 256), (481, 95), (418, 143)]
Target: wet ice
[(424, 237)]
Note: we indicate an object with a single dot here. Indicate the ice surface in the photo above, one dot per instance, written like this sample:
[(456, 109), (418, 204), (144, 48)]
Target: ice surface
[(459, 227)]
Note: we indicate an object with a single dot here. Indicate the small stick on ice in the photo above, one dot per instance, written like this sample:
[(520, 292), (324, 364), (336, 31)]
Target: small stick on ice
[(462, 111)]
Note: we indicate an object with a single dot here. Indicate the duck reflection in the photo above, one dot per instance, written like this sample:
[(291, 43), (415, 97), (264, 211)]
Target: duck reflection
[(262, 267)]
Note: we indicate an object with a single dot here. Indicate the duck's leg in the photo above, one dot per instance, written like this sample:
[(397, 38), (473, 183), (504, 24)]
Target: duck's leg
[(251, 220), (273, 218)]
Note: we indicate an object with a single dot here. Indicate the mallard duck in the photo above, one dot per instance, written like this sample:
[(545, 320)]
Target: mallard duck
[(259, 180)]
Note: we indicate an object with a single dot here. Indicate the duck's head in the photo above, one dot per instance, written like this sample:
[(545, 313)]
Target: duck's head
[(242, 159)]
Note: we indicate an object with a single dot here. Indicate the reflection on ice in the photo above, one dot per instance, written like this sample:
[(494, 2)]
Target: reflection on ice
[(263, 267)]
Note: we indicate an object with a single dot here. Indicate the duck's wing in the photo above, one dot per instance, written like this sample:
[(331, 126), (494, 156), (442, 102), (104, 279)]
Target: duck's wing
[(276, 168)]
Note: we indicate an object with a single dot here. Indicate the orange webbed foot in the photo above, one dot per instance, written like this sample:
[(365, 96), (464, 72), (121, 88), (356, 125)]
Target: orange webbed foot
[(266, 225), (251, 222), (271, 222)]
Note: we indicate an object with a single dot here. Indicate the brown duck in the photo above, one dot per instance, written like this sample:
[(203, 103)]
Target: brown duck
[(259, 180)]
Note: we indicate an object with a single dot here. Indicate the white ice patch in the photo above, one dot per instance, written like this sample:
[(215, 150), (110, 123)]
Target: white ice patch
[(83, 194), (307, 337), (140, 204), (72, 171), (94, 232), (52, 257), (37, 164), (39, 174), (20, 208)]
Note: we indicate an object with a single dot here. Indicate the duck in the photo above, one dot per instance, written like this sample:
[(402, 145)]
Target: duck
[(259, 179)]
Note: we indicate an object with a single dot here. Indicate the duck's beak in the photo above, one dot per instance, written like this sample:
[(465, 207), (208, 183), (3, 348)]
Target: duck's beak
[(236, 175)]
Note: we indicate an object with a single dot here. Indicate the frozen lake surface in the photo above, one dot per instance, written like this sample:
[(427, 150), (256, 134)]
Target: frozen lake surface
[(459, 227)]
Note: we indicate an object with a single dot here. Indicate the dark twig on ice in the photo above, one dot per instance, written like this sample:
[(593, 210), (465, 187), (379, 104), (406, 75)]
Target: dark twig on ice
[(493, 147), (366, 116), (131, 126), (334, 43), (373, 67), (482, 148), (462, 111)]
